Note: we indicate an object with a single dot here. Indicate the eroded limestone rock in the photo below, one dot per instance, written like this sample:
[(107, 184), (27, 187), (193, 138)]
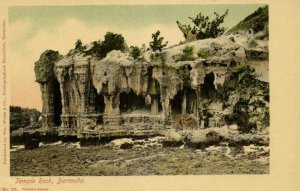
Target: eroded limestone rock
[(118, 95)]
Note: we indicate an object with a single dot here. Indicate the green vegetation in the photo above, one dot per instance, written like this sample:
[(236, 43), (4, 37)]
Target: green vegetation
[(159, 57), (187, 54), (95, 50), (203, 27), (135, 52), (184, 73), (157, 43), (258, 21), (252, 43), (252, 95), (203, 53), (22, 117), (112, 41)]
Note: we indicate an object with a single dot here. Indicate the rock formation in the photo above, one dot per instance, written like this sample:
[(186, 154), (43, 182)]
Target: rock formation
[(23, 118), (49, 88), (121, 96)]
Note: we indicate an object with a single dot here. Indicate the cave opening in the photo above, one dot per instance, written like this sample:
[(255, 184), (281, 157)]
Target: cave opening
[(131, 102), (176, 106), (57, 103), (100, 105), (208, 90), (97, 101), (184, 101)]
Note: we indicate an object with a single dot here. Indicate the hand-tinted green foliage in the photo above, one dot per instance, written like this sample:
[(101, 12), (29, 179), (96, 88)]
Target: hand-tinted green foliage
[(159, 57), (95, 50), (135, 52), (258, 21), (187, 54), (112, 41), (157, 42), (204, 27), (243, 82), (185, 29), (184, 73), (78, 46), (202, 53)]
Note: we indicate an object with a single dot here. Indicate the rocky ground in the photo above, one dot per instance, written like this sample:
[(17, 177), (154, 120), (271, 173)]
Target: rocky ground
[(139, 157)]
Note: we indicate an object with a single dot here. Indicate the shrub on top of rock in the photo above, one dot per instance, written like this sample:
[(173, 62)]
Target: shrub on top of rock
[(202, 53), (112, 41), (135, 52), (204, 27), (78, 45), (157, 42), (187, 54)]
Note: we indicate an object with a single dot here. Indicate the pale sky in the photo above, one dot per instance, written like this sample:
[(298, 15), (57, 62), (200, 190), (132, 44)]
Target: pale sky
[(33, 30)]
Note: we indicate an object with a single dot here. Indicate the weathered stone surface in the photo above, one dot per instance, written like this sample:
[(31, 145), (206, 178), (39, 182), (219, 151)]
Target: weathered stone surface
[(24, 118), (118, 95), (173, 136), (188, 122), (44, 71)]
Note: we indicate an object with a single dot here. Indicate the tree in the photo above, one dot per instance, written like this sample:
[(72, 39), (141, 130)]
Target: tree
[(112, 41), (78, 44), (251, 93), (157, 43), (135, 52), (203, 27)]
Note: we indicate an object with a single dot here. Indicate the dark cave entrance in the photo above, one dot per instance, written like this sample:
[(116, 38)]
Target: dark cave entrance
[(208, 90), (184, 101), (97, 101), (130, 102), (57, 103), (100, 105), (176, 106)]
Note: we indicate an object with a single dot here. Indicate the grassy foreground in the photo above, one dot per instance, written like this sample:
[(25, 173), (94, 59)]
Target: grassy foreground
[(67, 160)]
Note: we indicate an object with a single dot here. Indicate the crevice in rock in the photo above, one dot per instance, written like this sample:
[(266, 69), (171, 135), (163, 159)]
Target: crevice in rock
[(208, 90), (130, 102), (57, 103)]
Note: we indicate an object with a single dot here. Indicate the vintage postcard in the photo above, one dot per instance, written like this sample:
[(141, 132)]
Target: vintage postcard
[(144, 95)]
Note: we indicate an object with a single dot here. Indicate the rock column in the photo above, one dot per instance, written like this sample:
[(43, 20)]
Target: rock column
[(154, 105), (183, 103), (45, 77), (112, 111)]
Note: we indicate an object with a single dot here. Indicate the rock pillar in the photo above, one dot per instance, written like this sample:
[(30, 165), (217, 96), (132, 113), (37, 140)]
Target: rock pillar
[(112, 111), (154, 105), (183, 103), (45, 77)]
